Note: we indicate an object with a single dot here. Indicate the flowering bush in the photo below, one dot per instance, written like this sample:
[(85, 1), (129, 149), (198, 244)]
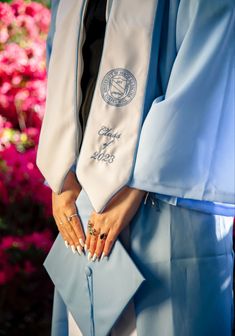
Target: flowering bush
[(26, 222), (23, 28)]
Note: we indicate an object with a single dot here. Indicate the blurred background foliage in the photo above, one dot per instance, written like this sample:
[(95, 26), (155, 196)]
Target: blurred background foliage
[(43, 2), (27, 228)]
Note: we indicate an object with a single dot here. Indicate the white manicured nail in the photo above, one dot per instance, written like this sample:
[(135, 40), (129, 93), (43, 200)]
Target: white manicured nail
[(79, 250), (94, 257), (85, 247), (81, 242), (66, 243), (73, 249), (89, 257), (103, 256)]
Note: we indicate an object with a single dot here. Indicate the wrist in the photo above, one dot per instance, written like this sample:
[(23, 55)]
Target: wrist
[(71, 182), (138, 191)]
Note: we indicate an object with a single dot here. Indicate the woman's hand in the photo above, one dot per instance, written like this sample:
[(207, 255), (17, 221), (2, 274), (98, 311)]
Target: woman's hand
[(63, 205), (104, 228)]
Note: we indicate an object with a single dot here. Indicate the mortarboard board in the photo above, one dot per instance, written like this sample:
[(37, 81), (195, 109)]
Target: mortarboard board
[(95, 293)]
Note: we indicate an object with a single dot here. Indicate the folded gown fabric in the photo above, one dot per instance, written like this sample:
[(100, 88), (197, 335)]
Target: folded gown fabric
[(125, 326), (186, 258)]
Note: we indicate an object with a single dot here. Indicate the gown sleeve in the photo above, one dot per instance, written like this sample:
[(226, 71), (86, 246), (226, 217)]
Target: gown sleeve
[(50, 35), (186, 145)]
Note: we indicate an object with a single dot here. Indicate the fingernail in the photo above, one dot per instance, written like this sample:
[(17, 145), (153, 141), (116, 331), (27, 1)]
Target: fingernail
[(73, 249), (94, 257), (89, 257), (81, 242), (85, 247), (79, 250), (103, 256), (66, 243)]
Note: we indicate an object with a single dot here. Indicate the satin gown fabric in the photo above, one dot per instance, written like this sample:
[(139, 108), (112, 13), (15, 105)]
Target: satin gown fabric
[(186, 257)]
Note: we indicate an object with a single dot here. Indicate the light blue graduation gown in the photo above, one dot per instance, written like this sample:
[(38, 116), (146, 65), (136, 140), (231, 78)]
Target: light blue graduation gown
[(186, 258), (186, 152)]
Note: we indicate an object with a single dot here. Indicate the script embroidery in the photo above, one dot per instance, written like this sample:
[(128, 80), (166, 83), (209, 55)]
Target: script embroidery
[(110, 137)]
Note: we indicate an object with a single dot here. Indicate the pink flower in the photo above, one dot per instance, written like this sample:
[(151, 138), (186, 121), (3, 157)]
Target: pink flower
[(18, 95), (6, 14), (27, 22), (3, 35), (32, 133), (12, 59), (4, 123), (18, 7), (40, 14), (23, 177), (41, 240), (12, 242)]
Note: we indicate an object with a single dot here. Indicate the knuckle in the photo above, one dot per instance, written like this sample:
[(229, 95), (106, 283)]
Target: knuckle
[(77, 227), (68, 231), (76, 221), (92, 249), (106, 220), (72, 235), (92, 243), (110, 241), (66, 203)]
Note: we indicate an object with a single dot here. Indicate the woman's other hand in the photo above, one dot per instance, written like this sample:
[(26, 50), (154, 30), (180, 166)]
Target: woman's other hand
[(104, 228), (63, 205)]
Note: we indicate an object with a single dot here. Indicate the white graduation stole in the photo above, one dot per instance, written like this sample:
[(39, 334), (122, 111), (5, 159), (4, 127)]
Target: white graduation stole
[(107, 154), (60, 134), (110, 141)]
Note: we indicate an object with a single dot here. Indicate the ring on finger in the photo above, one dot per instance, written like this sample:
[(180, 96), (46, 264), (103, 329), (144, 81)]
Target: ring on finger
[(90, 225), (103, 236), (69, 218), (93, 232)]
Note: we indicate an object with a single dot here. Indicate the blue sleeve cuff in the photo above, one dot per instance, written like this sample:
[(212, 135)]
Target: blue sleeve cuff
[(73, 168)]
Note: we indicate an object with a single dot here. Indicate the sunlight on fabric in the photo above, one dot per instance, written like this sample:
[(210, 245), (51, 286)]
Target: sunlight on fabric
[(223, 229), (226, 283)]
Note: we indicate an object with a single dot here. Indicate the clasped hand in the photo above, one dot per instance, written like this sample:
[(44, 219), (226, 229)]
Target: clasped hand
[(103, 228)]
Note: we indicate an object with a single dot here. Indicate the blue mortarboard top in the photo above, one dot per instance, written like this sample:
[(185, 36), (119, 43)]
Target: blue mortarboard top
[(95, 293)]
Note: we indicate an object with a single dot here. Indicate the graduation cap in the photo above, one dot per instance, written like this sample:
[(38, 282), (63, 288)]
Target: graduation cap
[(96, 293)]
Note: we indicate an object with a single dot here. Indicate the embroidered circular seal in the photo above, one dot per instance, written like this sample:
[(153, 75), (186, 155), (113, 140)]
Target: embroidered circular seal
[(118, 87)]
